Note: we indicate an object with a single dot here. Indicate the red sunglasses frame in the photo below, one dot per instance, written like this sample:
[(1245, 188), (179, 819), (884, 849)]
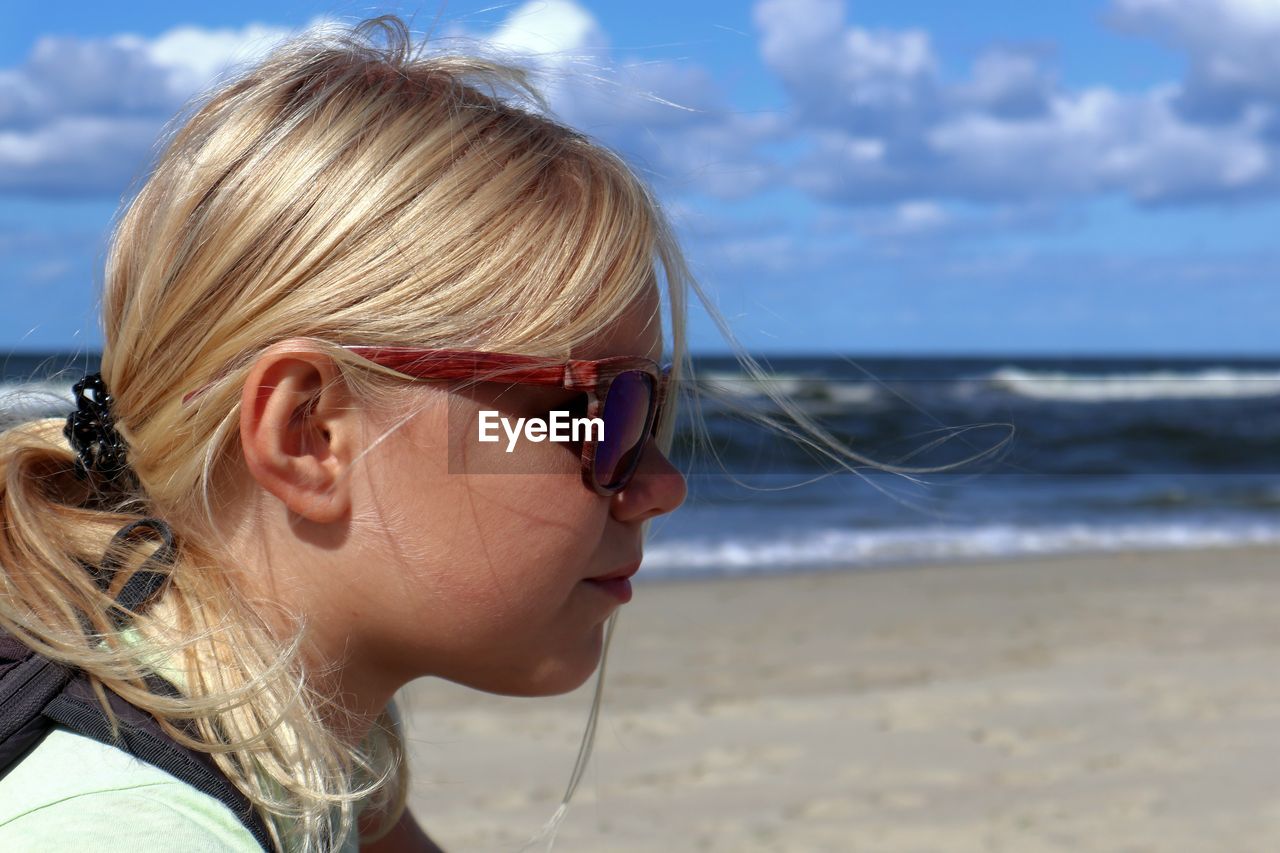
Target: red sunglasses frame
[(592, 376)]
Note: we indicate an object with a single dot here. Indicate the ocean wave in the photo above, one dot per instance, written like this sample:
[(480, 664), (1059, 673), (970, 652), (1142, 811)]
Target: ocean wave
[(1215, 383), (21, 401), (799, 387), (833, 549)]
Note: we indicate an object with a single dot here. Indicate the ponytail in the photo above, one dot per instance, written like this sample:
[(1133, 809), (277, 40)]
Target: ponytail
[(86, 559)]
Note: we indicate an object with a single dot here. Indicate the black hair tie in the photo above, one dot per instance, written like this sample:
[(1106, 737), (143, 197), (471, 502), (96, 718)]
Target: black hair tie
[(91, 430), (101, 453), (146, 582)]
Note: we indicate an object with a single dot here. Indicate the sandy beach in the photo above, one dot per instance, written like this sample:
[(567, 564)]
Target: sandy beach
[(1119, 703)]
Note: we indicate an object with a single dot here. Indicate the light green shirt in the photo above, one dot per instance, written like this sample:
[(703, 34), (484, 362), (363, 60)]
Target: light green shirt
[(73, 793)]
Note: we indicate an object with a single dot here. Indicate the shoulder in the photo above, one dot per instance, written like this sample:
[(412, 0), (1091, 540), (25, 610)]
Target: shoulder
[(72, 792)]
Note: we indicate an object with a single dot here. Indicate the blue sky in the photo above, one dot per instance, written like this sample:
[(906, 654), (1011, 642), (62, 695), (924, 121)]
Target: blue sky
[(861, 177)]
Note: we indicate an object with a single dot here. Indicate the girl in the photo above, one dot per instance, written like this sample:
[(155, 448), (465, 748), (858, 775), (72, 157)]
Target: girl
[(340, 263)]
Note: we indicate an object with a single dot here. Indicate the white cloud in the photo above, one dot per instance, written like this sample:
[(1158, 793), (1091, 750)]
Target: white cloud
[(670, 119), (76, 155), (900, 229), (920, 216), (872, 117), (884, 125), (1097, 141), (1008, 83), (1230, 45), (846, 75), (81, 116), (193, 57), (553, 30)]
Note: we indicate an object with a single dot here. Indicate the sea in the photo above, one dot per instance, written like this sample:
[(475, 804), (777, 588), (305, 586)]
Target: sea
[(893, 461)]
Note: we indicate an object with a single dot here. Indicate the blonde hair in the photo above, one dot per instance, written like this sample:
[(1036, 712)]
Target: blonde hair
[(348, 191)]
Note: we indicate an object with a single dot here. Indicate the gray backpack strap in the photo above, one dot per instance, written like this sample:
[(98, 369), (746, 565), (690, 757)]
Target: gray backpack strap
[(28, 683)]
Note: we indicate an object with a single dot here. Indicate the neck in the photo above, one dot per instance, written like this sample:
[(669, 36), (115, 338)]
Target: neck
[(298, 570), (353, 698)]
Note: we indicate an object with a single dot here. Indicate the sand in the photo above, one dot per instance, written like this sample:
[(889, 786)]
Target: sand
[(1106, 703)]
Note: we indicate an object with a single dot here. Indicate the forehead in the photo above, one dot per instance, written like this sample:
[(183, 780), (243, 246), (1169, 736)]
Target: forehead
[(637, 331)]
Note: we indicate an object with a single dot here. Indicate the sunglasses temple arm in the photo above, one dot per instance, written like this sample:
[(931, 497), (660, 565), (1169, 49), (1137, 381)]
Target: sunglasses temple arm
[(661, 394)]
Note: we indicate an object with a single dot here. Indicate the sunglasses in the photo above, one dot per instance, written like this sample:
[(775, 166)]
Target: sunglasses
[(626, 392)]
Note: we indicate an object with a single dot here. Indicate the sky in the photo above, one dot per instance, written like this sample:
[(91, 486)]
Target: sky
[(856, 177)]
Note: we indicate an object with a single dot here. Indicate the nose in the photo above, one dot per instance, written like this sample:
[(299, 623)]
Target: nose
[(657, 488)]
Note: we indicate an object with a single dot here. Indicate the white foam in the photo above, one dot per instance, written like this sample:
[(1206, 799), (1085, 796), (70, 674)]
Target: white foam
[(20, 401), (832, 548), (846, 393), (738, 385), (1152, 385)]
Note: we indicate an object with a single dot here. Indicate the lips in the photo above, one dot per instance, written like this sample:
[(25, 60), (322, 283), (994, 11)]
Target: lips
[(619, 574)]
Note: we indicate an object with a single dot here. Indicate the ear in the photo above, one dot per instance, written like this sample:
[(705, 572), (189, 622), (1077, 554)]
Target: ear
[(299, 431)]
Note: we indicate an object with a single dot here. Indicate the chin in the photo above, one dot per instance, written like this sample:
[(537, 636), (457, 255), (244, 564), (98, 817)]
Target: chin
[(550, 676), (555, 679), (529, 688)]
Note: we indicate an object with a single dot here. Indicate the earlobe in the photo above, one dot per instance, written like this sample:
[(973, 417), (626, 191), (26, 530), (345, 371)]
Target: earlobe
[(297, 431)]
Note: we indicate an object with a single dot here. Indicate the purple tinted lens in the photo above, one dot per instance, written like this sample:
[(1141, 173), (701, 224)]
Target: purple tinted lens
[(626, 412)]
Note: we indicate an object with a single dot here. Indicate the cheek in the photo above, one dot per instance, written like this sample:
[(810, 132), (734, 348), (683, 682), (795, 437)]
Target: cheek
[(483, 567), (525, 516), (520, 541)]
